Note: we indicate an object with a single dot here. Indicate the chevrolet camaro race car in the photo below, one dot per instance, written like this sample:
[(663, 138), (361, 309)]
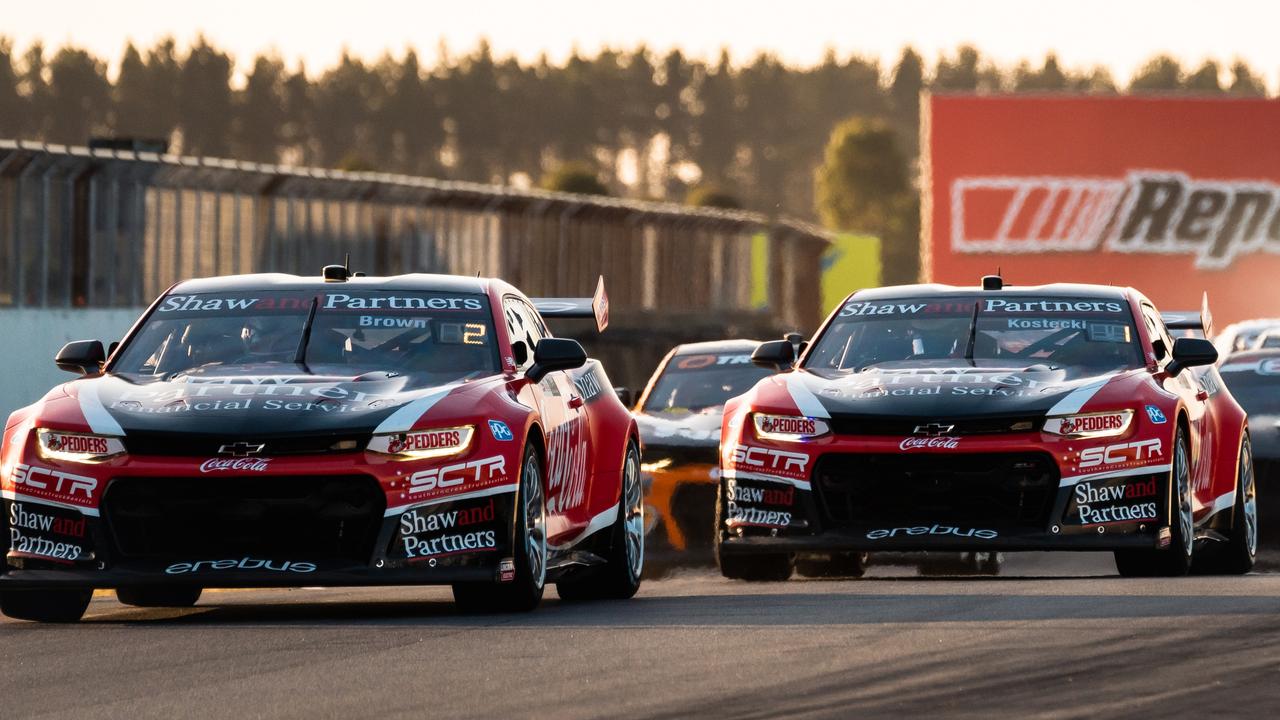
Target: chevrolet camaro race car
[(930, 417), (1253, 376), (275, 431), (679, 416)]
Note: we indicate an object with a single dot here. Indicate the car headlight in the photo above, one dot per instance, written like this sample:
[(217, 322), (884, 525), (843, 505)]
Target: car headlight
[(423, 444), (1090, 425), (77, 447), (788, 427)]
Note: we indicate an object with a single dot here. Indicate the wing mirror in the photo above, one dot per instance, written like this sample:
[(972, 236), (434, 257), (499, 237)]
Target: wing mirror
[(555, 354), (84, 357), (1191, 352), (775, 354)]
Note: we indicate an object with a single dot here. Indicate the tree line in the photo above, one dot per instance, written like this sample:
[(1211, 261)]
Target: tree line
[(644, 123)]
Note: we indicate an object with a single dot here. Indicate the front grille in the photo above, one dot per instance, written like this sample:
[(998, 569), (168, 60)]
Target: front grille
[(880, 425), (991, 490), (323, 517), (188, 445)]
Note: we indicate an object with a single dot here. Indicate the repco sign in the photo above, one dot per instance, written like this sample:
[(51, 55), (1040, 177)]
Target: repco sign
[(1135, 191), (1147, 212)]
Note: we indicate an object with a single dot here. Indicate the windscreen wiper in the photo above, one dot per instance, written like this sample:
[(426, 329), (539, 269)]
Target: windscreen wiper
[(300, 357), (973, 334)]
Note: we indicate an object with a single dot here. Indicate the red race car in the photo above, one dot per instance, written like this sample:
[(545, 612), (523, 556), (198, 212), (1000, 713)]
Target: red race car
[(275, 430), (929, 417)]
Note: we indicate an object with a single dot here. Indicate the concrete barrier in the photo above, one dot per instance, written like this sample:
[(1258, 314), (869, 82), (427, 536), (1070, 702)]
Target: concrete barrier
[(32, 337)]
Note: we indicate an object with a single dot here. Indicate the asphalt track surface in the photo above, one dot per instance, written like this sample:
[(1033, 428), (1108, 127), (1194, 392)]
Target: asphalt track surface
[(1053, 636)]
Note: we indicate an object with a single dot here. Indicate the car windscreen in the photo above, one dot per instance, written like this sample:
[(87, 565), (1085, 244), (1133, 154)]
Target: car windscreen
[(699, 381), (437, 337), (1255, 384), (1085, 334)]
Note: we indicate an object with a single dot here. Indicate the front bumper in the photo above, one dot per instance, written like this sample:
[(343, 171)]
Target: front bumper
[(1004, 493)]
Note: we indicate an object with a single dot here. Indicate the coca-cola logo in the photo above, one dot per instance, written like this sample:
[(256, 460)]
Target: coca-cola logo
[(234, 465), (933, 443)]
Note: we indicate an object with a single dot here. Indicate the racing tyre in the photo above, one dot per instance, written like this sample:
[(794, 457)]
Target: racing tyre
[(151, 596), (619, 577), (1175, 560), (524, 592), (1237, 555), (59, 606), (764, 567), (852, 565)]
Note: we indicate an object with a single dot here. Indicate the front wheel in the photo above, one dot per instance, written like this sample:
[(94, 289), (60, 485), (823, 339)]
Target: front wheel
[(58, 606), (1237, 555), (524, 592), (619, 577), (1174, 560)]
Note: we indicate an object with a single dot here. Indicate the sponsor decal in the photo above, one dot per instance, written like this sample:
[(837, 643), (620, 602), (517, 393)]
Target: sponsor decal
[(235, 465), (780, 462), (1080, 424), (739, 515), (1269, 367), (1098, 504), (500, 431), (788, 425), (701, 362), (989, 305), (1144, 212), (245, 563), (1046, 324), (761, 496), (929, 443), (87, 444), (588, 385), (428, 440), (423, 533), (421, 548), (240, 394), (205, 303), (1156, 415), (417, 521), (567, 465), (975, 533), (506, 570), (46, 533), (1122, 455), (474, 475), (340, 301), (54, 484), (373, 321)]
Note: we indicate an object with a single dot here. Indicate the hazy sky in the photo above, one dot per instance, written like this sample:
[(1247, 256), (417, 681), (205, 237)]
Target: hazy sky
[(1117, 33)]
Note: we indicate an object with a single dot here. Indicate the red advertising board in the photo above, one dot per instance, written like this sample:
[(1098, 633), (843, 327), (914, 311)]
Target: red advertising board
[(1172, 196)]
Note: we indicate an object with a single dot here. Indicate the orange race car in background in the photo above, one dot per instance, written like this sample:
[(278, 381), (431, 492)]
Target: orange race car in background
[(678, 415)]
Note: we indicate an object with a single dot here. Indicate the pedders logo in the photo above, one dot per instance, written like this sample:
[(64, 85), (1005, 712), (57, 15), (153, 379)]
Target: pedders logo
[(933, 443), (87, 444), (789, 425), (1146, 212), (235, 465), (1092, 423), (430, 440)]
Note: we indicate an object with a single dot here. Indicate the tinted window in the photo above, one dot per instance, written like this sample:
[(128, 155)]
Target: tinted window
[(438, 336), (1059, 332), (700, 381)]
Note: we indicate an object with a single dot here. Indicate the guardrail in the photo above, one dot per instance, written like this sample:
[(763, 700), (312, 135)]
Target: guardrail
[(104, 228)]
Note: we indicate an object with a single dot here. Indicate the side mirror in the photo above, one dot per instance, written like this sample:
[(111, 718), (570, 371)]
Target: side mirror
[(625, 396), (775, 354), (84, 357), (1191, 352), (555, 354)]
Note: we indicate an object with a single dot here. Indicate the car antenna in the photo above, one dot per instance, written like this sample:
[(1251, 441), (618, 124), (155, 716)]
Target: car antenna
[(973, 334)]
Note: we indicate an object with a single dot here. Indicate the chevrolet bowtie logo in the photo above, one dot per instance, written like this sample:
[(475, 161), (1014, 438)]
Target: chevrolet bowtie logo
[(933, 429), (241, 449)]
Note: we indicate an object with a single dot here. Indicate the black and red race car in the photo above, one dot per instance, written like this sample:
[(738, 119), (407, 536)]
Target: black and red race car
[(931, 417), (275, 430)]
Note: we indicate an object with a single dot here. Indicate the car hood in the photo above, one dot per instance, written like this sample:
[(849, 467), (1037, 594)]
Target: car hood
[(943, 392), (681, 437), (246, 402)]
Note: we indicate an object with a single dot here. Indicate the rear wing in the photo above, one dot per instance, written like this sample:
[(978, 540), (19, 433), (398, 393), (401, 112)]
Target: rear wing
[(1191, 319), (595, 307)]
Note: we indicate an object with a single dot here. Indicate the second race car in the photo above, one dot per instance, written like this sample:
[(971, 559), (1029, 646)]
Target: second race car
[(1058, 417)]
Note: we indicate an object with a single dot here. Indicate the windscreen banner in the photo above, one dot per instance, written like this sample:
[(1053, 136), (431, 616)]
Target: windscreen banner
[(1172, 196)]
